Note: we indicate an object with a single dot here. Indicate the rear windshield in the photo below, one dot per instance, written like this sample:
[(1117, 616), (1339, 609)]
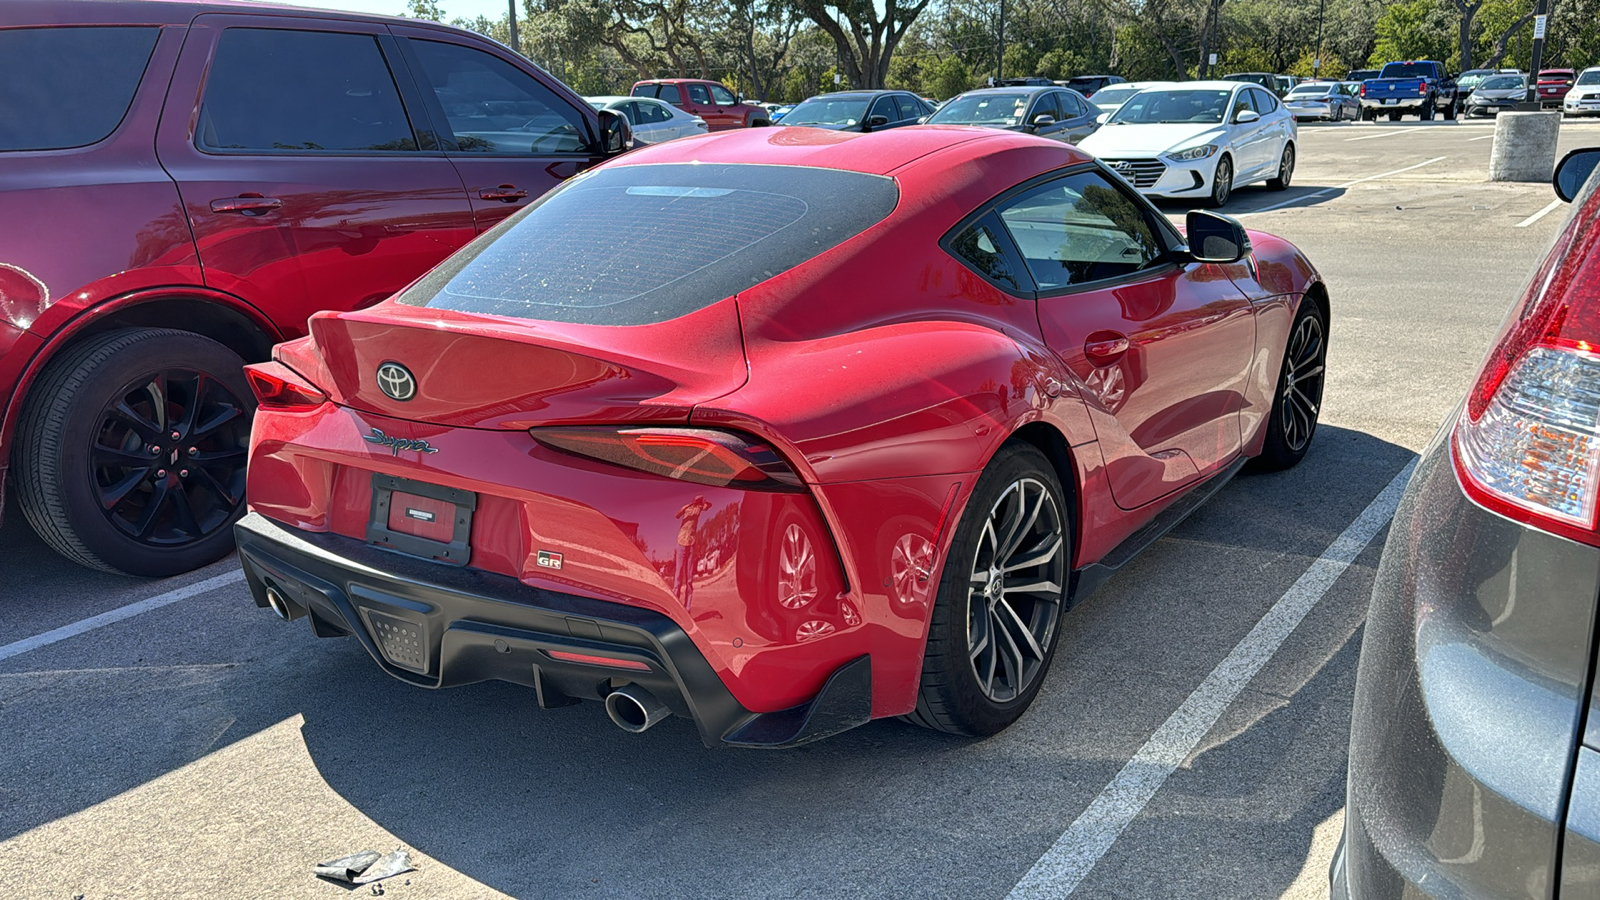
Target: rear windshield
[(1408, 70), (983, 109), (633, 245), (68, 87), (1589, 76), (1311, 90)]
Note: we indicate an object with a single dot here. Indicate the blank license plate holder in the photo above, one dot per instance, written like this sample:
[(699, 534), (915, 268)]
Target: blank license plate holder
[(396, 501)]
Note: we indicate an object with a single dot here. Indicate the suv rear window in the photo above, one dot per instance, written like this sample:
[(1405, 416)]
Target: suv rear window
[(68, 87), (633, 245)]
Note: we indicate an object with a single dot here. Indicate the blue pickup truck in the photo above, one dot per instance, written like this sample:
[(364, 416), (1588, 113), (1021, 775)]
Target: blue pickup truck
[(1402, 88)]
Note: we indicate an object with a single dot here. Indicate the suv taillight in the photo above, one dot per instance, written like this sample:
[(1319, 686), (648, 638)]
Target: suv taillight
[(1527, 444)]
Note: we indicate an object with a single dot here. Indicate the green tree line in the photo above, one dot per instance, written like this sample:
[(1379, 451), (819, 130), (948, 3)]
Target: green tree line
[(787, 50)]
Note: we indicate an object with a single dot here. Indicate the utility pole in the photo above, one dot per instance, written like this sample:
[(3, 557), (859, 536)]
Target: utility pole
[(1541, 15), (515, 43), (1316, 61), (1000, 60)]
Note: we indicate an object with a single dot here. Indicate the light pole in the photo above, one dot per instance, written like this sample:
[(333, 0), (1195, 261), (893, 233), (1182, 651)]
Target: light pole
[(515, 43), (1316, 61), (1000, 63), (1540, 17)]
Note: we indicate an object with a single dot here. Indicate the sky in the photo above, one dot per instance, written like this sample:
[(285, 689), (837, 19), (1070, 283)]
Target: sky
[(464, 9)]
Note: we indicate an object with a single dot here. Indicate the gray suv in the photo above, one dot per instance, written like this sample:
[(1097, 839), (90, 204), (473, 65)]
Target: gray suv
[(1475, 737)]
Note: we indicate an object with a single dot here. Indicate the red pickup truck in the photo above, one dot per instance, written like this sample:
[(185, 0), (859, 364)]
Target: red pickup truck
[(720, 107)]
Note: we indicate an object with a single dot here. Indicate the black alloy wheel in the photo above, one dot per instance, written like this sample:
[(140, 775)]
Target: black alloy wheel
[(1297, 404), (997, 613), (133, 449)]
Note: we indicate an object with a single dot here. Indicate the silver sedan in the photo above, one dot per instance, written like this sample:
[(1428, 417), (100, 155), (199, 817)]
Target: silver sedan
[(1329, 100), (653, 121)]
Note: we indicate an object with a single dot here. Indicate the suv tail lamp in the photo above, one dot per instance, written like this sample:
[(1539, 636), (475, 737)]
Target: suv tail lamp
[(700, 455), (1527, 443), (277, 386)]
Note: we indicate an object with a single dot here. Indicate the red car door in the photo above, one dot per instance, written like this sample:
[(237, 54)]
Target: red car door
[(512, 132), (1161, 348), (700, 104), (306, 184)]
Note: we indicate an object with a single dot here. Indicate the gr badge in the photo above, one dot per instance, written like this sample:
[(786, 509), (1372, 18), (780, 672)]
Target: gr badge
[(549, 560)]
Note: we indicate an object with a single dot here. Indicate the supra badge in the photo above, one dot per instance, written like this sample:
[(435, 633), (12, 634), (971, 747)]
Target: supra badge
[(397, 444)]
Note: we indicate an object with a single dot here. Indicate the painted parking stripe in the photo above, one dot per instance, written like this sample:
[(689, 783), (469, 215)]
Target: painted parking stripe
[(1339, 187), (1482, 137), (111, 617), (1554, 205), (1382, 134), (1074, 855)]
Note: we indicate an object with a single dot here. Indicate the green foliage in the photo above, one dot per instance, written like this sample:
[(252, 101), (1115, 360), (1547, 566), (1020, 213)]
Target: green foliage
[(1416, 29), (947, 78)]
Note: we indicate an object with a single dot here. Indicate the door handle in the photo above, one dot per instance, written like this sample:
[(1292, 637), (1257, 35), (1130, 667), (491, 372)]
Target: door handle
[(505, 193), (246, 203), (1105, 347)]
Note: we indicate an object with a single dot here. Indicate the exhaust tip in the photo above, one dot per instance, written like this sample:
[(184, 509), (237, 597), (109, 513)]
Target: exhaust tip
[(281, 605), (634, 709)]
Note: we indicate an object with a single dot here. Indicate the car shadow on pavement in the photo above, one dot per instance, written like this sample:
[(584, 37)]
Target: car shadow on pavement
[(1257, 198)]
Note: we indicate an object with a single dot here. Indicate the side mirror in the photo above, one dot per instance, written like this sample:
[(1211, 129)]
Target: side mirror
[(1043, 120), (1246, 117), (1215, 238), (875, 122), (1573, 171), (616, 135)]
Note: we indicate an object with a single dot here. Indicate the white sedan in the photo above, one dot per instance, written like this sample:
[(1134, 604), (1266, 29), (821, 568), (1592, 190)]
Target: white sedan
[(653, 121), (1200, 140)]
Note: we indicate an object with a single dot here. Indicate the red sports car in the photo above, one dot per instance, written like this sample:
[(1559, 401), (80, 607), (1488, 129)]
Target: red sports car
[(780, 430)]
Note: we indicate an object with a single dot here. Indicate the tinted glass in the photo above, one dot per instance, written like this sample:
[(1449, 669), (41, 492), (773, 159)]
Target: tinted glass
[(699, 94), (908, 106), (1150, 107), (1079, 229), (1407, 70), (494, 107), (884, 106), (68, 87), (1504, 83), (637, 244), (1113, 96), (630, 111), (828, 111), (979, 247), (722, 95), (1263, 101), (1045, 105), (1071, 107), (273, 89), (1589, 76), (983, 109), (1312, 90), (654, 112)]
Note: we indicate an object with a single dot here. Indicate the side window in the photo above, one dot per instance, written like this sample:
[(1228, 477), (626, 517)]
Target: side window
[(884, 107), (699, 94), (672, 93), (723, 96), (494, 107), (909, 107), (1264, 101), (1071, 106), (1044, 105), (1080, 229), (630, 111), (653, 112), (1241, 102), (644, 90), (49, 106), (979, 246), (275, 89)]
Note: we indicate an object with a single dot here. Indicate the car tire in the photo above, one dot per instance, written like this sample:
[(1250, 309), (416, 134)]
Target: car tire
[(108, 485), (1297, 403), (1338, 114), (1221, 187), (1450, 112), (761, 123), (1425, 114), (1285, 170), (989, 648)]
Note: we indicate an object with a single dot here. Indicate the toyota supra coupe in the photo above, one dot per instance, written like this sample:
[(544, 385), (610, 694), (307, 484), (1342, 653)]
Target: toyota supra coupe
[(780, 430)]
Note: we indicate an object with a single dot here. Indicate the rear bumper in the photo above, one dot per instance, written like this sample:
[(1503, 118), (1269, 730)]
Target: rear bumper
[(1473, 673), (435, 626), (1401, 103)]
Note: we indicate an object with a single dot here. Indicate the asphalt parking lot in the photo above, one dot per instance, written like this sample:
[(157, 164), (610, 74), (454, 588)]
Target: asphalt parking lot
[(197, 747)]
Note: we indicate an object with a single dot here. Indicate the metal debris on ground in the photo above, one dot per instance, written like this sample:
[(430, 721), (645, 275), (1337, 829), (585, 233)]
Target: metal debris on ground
[(365, 867)]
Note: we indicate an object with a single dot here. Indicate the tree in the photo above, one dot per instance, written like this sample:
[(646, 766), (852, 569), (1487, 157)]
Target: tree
[(865, 40)]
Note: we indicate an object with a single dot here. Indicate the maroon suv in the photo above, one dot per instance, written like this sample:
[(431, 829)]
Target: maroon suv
[(181, 185)]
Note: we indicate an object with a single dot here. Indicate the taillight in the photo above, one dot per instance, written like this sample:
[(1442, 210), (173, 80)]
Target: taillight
[(277, 386), (701, 455), (1527, 444), (1363, 90), (590, 659), (1422, 88)]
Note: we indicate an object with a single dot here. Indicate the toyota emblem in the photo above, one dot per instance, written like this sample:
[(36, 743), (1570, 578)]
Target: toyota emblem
[(396, 381)]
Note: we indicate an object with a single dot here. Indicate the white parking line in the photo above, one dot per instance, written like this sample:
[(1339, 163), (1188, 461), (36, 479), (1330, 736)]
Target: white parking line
[(1340, 187), (1381, 134), (1482, 137), (1554, 205), (1074, 855), (110, 617)]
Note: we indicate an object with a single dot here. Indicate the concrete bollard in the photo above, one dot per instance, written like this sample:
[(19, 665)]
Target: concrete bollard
[(1524, 146)]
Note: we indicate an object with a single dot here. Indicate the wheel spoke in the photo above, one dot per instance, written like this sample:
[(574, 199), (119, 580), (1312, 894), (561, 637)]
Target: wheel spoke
[(1017, 629), (1010, 655), (187, 413), (1051, 589), (111, 496), (184, 510), (146, 429), (101, 455), (1022, 532), (160, 492), (221, 489), (1003, 547), (1038, 556), (1302, 375), (1303, 401)]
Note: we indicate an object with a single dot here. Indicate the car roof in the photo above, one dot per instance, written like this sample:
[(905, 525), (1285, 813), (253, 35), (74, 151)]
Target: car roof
[(1218, 85), (1016, 89), (843, 94), (168, 12), (875, 153)]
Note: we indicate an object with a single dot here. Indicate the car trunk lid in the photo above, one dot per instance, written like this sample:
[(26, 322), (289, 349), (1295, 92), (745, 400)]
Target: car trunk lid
[(478, 371)]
